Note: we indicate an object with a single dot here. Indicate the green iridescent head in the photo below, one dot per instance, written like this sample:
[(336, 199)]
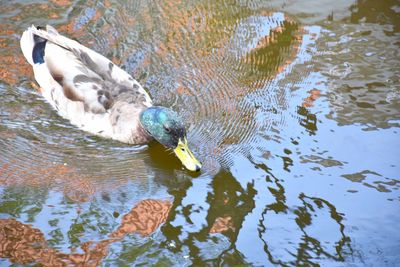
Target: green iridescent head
[(165, 126)]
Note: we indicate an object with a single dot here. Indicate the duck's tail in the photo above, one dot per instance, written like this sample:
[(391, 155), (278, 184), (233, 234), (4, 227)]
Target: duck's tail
[(33, 43), (33, 46)]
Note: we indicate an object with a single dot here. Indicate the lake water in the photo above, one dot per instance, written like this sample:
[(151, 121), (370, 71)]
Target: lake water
[(292, 106)]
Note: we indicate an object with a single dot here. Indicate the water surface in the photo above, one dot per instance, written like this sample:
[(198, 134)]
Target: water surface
[(293, 108)]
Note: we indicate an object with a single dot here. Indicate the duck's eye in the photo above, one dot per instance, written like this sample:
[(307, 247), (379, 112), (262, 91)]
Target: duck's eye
[(167, 129), (182, 149)]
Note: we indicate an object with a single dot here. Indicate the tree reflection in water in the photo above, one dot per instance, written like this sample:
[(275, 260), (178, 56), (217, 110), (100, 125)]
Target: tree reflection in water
[(301, 245), (228, 205), (23, 244)]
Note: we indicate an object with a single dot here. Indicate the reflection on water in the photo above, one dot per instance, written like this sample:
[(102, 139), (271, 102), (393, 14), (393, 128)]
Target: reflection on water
[(75, 185), (306, 244), (144, 218), (292, 106), (24, 244)]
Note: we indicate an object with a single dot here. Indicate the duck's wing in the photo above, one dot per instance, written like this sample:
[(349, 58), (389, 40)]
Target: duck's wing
[(83, 74)]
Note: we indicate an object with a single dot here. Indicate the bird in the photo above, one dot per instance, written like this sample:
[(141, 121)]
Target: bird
[(99, 97)]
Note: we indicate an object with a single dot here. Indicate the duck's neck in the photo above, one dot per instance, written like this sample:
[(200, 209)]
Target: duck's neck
[(141, 136), (126, 125), (141, 129)]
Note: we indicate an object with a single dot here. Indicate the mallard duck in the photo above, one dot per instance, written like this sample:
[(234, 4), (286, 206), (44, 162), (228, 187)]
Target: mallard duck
[(99, 97)]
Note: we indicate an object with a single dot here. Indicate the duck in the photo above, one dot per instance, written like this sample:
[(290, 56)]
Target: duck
[(99, 97)]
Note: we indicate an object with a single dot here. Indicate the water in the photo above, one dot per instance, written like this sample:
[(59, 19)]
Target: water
[(293, 108)]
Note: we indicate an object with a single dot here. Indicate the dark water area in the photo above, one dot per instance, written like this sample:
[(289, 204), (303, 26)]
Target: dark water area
[(292, 106)]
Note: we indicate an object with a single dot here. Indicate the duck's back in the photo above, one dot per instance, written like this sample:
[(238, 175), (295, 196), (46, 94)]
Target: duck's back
[(85, 87)]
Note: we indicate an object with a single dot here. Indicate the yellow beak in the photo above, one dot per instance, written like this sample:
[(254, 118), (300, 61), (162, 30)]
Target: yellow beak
[(183, 153)]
